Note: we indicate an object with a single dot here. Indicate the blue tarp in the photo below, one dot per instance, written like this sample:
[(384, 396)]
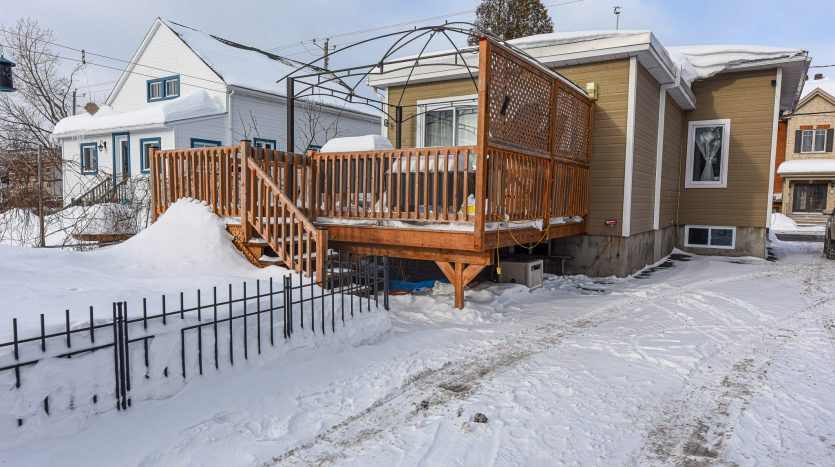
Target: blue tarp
[(406, 285)]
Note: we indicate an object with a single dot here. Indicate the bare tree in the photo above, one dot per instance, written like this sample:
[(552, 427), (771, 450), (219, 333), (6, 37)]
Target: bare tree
[(27, 117), (316, 124), (43, 95)]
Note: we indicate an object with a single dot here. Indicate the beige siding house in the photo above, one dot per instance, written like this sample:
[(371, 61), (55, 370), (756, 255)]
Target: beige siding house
[(809, 169), (683, 147)]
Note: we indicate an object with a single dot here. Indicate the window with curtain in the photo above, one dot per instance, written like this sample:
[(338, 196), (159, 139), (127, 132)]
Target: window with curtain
[(813, 141), (450, 126), (707, 153)]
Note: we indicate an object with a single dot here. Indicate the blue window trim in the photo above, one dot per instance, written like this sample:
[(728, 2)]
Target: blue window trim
[(95, 158), (264, 140), (143, 155), (162, 90), (199, 140), (113, 154)]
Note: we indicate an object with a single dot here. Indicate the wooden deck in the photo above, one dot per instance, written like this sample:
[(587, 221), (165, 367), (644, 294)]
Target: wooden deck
[(455, 205)]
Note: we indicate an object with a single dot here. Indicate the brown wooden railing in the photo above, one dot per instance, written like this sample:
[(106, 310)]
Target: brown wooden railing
[(268, 211), (213, 175), (429, 184)]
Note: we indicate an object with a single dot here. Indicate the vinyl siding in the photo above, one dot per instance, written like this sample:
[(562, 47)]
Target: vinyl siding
[(747, 99), (166, 51), (76, 184), (674, 131), (645, 152), (609, 142)]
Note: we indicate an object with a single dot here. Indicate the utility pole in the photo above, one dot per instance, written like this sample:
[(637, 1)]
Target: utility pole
[(326, 51), (40, 201), (74, 91), (617, 17)]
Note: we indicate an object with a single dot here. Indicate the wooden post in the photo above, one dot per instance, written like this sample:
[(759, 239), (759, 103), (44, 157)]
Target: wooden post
[(398, 127), (459, 275), (246, 189), (41, 234), (152, 163), (482, 132), (321, 253)]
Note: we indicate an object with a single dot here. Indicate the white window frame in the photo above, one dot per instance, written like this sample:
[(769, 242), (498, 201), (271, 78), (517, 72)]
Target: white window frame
[(158, 85), (723, 174), (442, 103), (176, 83), (813, 131), (710, 228)]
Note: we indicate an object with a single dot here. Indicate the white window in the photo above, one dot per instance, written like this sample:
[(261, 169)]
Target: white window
[(154, 90), (450, 121), (707, 154), (89, 158), (813, 141), (705, 236), (263, 143), (203, 143), (172, 87)]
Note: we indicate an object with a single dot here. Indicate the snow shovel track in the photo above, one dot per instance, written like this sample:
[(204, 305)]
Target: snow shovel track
[(456, 379), (693, 429)]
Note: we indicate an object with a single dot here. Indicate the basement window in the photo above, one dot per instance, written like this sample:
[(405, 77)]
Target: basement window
[(707, 154), (703, 236), (263, 143)]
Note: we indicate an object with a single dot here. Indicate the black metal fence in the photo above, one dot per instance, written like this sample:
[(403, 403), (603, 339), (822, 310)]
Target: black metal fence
[(212, 329)]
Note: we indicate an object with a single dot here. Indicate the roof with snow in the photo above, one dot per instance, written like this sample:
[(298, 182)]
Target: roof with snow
[(197, 103), (249, 67), (678, 66), (812, 167)]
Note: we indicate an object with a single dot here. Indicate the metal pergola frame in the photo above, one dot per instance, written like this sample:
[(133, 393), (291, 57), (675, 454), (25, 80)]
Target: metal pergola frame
[(320, 83)]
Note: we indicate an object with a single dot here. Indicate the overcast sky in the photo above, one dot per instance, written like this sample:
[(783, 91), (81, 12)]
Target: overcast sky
[(115, 27)]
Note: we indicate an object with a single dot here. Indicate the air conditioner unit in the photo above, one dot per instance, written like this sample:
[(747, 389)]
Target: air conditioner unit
[(526, 272)]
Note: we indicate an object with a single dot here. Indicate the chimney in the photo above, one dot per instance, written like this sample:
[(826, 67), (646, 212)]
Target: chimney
[(818, 76)]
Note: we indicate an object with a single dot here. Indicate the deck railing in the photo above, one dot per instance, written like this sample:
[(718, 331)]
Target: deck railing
[(276, 218), (213, 175), (428, 184)]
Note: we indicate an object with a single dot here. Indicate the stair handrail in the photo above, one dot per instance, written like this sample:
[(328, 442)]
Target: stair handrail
[(253, 173)]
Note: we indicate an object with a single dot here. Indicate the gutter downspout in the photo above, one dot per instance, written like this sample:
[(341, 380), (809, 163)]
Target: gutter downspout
[(229, 95)]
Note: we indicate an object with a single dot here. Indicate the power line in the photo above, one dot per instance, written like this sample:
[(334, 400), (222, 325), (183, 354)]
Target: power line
[(822, 66), (389, 26)]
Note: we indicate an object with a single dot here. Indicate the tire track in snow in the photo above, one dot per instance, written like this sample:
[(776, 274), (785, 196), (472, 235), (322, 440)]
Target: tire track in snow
[(693, 430), (456, 379)]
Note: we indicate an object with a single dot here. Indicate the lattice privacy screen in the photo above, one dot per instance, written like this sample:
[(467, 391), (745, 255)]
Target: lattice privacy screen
[(572, 127), (519, 104)]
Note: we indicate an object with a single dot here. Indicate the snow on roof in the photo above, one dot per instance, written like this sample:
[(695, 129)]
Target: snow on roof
[(249, 67), (197, 103), (357, 143), (825, 84), (807, 167), (570, 37), (704, 61)]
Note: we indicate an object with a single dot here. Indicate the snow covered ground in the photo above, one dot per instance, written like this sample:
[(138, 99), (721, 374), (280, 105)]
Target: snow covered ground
[(700, 359)]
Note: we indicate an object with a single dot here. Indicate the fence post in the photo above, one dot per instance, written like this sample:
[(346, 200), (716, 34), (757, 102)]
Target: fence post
[(152, 163), (246, 190)]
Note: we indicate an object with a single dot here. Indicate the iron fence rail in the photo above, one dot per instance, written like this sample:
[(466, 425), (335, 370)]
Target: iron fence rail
[(358, 279)]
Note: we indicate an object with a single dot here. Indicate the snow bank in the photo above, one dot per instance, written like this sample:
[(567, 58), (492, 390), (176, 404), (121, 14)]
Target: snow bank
[(783, 224), (826, 85), (187, 239), (196, 103), (807, 166), (704, 61), (357, 143)]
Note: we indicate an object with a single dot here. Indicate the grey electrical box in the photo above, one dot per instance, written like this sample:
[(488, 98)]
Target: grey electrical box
[(525, 272)]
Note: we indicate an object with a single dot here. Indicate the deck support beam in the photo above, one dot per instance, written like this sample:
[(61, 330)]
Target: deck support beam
[(459, 275)]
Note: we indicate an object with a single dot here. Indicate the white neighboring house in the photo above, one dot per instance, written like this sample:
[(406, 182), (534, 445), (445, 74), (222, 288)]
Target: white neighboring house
[(185, 88)]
